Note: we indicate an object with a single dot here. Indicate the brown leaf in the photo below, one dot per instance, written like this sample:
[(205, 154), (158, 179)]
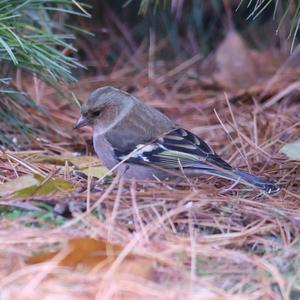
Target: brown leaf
[(235, 67), (85, 251), (137, 266), (89, 253)]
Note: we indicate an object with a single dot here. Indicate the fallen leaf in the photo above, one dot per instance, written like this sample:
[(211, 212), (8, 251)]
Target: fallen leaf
[(81, 163), (292, 150), (235, 67), (97, 172), (141, 267), (91, 253), (84, 251), (44, 187), (17, 184), (56, 159)]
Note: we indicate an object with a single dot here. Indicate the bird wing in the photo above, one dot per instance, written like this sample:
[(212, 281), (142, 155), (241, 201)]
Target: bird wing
[(177, 149), (140, 126), (181, 150)]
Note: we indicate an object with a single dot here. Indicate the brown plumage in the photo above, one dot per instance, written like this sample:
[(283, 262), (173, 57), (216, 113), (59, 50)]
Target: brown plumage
[(124, 127)]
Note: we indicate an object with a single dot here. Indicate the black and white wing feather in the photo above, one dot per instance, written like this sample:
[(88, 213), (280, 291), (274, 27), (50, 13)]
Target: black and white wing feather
[(178, 149), (181, 151)]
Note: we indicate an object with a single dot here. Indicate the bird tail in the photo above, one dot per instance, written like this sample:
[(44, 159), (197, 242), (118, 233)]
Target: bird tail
[(263, 184), (234, 174)]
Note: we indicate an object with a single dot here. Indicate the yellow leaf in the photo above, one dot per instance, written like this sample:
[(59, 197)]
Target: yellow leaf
[(78, 161), (97, 172), (17, 184), (44, 187), (82, 162)]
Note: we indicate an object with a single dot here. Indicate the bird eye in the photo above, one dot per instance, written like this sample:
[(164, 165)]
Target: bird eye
[(96, 113)]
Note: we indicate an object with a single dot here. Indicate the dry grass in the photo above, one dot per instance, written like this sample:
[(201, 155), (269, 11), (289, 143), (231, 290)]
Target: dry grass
[(205, 239)]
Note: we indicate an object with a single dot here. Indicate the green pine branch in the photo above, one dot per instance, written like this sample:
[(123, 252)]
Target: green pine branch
[(34, 37)]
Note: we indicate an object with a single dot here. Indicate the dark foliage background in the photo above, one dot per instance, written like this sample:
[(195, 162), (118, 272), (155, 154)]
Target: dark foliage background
[(38, 43)]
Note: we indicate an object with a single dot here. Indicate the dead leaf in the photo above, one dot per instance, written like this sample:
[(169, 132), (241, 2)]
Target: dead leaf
[(33, 184), (141, 267), (84, 251), (97, 172), (17, 184), (44, 187), (235, 67), (81, 163), (56, 159), (89, 253), (292, 150)]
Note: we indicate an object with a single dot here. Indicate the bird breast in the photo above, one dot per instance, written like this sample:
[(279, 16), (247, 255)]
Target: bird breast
[(104, 150)]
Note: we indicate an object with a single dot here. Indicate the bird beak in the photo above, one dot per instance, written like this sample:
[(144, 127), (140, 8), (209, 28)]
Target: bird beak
[(82, 121)]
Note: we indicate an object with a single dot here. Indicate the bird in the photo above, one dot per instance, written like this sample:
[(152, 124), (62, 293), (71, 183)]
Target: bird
[(140, 142)]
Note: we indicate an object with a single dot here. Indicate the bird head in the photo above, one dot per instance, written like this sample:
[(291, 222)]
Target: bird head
[(99, 102)]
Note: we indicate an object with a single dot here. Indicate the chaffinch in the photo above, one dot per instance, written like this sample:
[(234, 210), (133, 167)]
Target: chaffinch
[(150, 144)]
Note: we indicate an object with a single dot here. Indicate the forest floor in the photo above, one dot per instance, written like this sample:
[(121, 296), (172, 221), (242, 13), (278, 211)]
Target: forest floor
[(62, 237)]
